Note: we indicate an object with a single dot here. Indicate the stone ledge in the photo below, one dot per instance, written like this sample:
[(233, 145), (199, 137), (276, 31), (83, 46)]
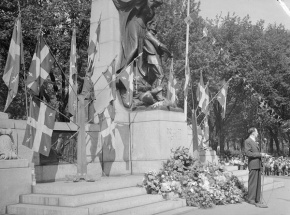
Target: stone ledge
[(8, 164)]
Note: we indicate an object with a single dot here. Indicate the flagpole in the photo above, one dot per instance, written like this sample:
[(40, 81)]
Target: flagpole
[(24, 69), (186, 57)]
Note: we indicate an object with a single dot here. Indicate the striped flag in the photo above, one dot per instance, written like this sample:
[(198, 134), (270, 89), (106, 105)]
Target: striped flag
[(73, 87), (222, 97), (107, 126), (94, 43), (110, 75), (40, 67), (201, 95), (14, 59), (172, 86), (187, 79), (39, 127), (126, 77)]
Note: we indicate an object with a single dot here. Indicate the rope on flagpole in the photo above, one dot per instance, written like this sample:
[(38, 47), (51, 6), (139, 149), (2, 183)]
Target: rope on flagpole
[(54, 109), (112, 81)]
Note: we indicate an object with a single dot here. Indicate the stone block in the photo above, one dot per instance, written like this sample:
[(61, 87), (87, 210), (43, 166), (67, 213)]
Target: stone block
[(107, 8), (60, 172), (20, 124), (116, 168), (153, 140), (142, 166), (7, 123), (14, 182), (109, 30), (3, 115), (19, 163)]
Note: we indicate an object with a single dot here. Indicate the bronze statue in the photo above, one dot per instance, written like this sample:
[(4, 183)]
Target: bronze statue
[(134, 16)]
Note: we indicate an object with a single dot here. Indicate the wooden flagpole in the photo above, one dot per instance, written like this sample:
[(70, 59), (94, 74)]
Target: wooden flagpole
[(186, 56)]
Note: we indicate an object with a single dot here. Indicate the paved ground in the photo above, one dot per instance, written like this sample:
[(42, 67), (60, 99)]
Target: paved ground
[(278, 201)]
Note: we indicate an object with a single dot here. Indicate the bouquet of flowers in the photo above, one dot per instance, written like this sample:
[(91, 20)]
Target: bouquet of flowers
[(201, 186)]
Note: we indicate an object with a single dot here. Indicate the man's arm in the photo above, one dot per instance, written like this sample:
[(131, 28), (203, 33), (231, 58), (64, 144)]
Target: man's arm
[(249, 151)]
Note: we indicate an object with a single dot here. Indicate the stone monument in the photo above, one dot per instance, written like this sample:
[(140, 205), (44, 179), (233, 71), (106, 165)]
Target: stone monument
[(143, 139)]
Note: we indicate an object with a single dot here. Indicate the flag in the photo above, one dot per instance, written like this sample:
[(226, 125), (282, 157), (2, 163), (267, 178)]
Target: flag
[(222, 97), (172, 86), (94, 43), (41, 64), (73, 87), (39, 128), (126, 77), (107, 126), (187, 78), (201, 95), (204, 32), (110, 75), (14, 59)]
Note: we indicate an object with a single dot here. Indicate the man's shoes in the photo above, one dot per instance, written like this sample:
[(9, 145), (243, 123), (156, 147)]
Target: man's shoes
[(261, 205), (252, 202)]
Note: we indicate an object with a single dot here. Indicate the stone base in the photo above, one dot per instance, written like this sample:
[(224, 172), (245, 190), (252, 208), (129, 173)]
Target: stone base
[(206, 156), (15, 180), (3, 115)]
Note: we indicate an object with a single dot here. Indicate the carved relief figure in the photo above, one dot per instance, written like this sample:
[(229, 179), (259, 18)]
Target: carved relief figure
[(7, 150), (134, 15)]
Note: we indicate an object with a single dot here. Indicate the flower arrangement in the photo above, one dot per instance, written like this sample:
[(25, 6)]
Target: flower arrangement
[(201, 186)]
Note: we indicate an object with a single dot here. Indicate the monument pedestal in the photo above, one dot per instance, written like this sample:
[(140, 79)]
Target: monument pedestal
[(15, 180), (208, 156)]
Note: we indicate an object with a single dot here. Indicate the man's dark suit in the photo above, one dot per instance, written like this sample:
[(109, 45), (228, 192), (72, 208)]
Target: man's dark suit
[(252, 151)]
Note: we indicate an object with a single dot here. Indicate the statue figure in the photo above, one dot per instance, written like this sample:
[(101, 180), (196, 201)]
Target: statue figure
[(153, 50), (149, 77), (134, 16), (7, 149)]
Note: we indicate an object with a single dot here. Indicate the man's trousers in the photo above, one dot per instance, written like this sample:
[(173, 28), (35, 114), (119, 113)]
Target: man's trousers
[(254, 186)]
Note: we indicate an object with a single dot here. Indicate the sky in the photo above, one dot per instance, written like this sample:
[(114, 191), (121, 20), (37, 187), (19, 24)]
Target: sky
[(268, 10)]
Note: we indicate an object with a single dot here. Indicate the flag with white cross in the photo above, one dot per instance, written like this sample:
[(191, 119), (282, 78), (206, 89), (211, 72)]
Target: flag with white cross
[(41, 64), (39, 127), (14, 59)]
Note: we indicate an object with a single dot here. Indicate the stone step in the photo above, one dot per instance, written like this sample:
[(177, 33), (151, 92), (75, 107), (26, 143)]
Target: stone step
[(154, 208), (83, 199), (122, 204), (231, 168), (27, 209), (102, 184), (179, 211)]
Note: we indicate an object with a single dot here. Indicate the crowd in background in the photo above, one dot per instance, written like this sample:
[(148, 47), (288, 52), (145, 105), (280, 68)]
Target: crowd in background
[(276, 166)]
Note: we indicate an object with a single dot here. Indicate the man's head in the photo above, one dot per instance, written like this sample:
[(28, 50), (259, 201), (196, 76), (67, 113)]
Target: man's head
[(151, 26), (253, 132)]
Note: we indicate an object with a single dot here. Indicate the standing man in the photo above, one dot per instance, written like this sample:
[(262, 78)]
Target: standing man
[(252, 151)]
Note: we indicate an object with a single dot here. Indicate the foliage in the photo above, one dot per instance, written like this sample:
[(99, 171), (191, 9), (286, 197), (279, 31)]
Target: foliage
[(201, 186), (55, 18)]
